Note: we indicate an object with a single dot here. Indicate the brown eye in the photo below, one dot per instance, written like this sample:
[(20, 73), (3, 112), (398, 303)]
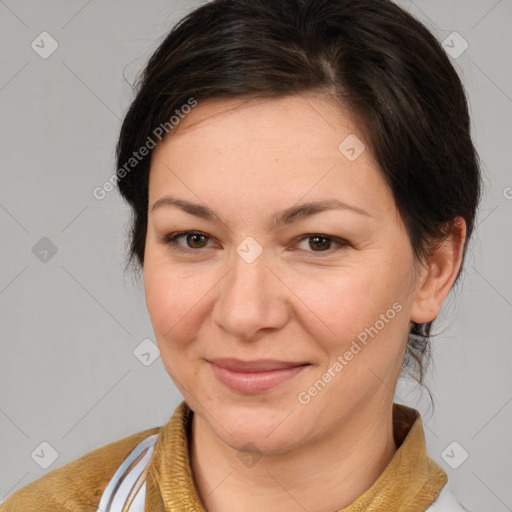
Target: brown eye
[(319, 243), (195, 240), (323, 244)]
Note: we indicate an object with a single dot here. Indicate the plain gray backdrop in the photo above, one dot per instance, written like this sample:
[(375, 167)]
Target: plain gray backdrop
[(72, 321)]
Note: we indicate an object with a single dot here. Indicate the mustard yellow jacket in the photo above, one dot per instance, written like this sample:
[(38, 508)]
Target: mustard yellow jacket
[(412, 482)]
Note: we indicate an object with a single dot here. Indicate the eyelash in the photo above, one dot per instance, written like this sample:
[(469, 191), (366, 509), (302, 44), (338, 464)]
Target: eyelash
[(171, 241)]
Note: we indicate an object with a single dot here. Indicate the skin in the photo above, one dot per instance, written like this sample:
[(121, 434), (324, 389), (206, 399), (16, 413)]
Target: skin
[(246, 160)]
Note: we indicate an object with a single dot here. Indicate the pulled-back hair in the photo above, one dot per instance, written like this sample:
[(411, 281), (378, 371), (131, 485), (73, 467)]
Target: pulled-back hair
[(373, 57)]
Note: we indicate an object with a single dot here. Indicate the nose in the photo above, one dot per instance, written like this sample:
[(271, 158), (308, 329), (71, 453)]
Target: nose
[(252, 298)]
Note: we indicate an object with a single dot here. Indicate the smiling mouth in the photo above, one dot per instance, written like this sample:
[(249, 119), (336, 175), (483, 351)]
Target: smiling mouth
[(254, 376)]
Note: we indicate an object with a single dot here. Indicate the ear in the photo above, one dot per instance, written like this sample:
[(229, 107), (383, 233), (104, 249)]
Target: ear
[(438, 275)]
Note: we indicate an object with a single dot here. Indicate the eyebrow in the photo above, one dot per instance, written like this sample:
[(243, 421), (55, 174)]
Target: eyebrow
[(287, 216)]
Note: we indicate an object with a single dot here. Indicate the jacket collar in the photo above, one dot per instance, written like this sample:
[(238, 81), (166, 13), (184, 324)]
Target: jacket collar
[(410, 482)]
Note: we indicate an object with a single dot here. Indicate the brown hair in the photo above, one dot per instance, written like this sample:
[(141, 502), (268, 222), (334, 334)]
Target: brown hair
[(381, 63)]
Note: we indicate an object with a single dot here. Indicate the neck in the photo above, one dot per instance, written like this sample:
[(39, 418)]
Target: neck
[(324, 475)]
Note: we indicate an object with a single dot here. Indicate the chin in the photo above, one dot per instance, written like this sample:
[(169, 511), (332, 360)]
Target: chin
[(254, 440), (269, 427)]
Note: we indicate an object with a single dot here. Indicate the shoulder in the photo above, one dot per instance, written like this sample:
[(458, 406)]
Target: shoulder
[(446, 502), (78, 485)]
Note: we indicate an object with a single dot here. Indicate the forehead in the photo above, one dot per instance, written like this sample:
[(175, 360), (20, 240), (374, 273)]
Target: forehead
[(284, 122), (269, 150)]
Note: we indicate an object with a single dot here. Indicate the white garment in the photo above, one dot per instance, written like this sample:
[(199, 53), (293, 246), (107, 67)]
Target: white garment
[(446, 502), (124, 480)]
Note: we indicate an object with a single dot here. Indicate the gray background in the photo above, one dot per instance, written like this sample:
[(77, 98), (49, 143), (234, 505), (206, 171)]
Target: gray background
[(70, 324)]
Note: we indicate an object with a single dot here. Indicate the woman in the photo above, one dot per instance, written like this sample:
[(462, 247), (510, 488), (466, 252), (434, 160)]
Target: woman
[(304, 187)]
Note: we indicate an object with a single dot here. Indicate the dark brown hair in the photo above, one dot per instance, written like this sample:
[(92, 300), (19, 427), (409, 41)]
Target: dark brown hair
[(378, 61)]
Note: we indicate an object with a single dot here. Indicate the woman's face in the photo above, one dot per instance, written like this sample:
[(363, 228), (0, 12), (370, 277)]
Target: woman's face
[(317, 304)]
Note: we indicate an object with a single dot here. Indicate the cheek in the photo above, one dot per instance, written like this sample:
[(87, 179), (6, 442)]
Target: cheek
[(343, 303), (172, 301), (170, 298), (179, 299), (367, 315)]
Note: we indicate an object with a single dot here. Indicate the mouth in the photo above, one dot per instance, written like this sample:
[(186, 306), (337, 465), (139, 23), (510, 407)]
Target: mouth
[(254, 376)]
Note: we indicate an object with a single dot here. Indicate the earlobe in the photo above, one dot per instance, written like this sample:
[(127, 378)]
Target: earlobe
[(439, 274)]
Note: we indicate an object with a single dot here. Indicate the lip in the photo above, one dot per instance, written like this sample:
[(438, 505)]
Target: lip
[(254, 376)]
